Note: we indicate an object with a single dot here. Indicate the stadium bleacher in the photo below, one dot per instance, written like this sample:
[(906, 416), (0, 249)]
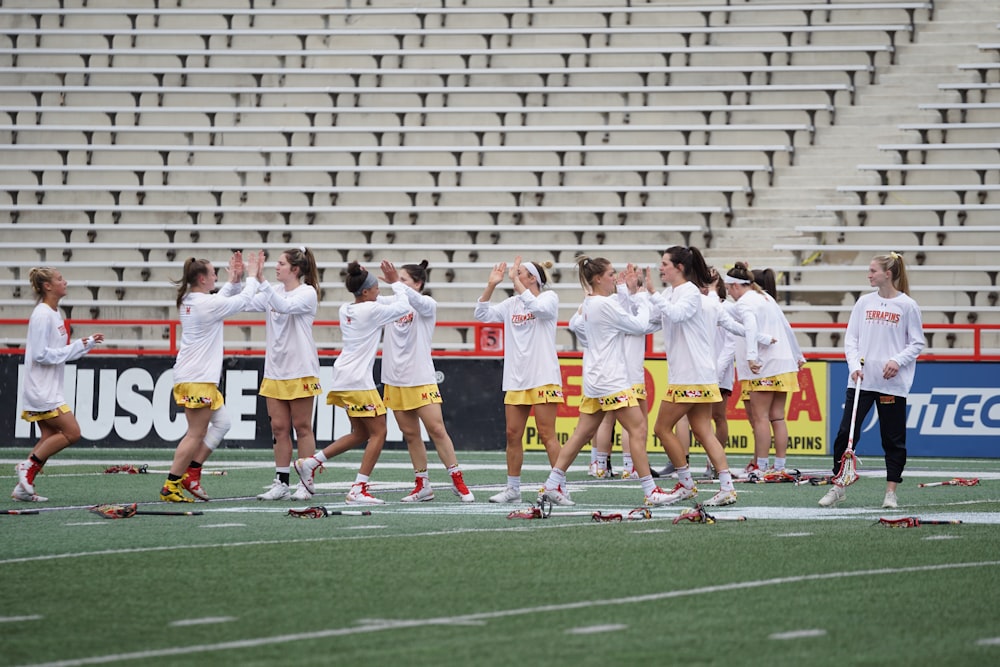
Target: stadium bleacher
[(465, 135)]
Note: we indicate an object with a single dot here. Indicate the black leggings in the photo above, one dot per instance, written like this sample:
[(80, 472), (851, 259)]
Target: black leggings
[(892, 425)]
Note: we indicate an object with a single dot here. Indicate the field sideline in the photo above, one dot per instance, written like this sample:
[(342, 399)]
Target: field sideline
[(454, 583)]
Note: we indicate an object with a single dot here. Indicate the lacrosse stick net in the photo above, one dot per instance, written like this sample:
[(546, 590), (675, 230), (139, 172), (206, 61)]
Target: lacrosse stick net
[(848, 473), (957, 481)]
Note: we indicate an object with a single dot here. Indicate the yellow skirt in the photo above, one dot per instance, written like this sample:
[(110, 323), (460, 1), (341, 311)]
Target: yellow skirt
[(787, 382), (198, 395), (693, 393), (289, 390), (410, 398), (30, 416), (640, 391), (361, 403), (622, 399), (549, 393)]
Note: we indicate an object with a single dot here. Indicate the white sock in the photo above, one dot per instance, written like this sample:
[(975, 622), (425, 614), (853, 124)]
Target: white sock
[(726, 481), (648, 485), (762, 463), (360, 479), (320, 456), (684, 477), (779, 463), (514, 482), (557, 478)]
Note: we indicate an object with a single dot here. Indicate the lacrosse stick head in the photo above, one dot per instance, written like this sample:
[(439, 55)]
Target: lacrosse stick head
[(526, 513), (315, 512), (848, 473), (602, 517), (640, 514), (114, 511), (902, 522), (966, 481)]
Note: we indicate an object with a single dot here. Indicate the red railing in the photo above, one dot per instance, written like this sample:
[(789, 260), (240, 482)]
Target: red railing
[(486, 340)]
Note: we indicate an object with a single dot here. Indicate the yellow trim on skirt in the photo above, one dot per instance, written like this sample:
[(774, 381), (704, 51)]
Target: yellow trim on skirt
[(198, 395), (788, 382), (289, 390), (693, 393), (358, 403), (549, 393), (620, 399), (410, 398), (31, 416)]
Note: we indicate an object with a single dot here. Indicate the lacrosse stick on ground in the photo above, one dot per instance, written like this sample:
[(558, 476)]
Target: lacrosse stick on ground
[(132, 469), (848, 473), (16, 512), (131, 510), (913, 522), (699, 515), (320, 512), (957, 481)]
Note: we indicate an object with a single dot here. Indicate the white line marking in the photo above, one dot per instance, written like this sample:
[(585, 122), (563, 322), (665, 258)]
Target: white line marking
[(224, 525), (793, 535), (992, 641), (19, 619), (386, 624), (798, 634), (202, 621), (594, 629), (943, 537)]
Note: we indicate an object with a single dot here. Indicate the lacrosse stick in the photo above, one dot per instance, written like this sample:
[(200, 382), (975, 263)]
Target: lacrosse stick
[(958, 481), (848, 473), (129, 511), (143, 469), (14, 512), (914, 522), (320, 512), (699, 515)]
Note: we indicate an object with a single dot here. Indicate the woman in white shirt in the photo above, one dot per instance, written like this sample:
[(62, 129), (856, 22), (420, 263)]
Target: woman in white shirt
[(766, 390), (198, 367), (291, 364), (353, 385), (46, 351), (532, 379), (885, 335), (603, 326), (692, 385), (410, 380)]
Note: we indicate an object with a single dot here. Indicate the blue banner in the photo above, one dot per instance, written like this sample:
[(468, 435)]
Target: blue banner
[(952, 410)]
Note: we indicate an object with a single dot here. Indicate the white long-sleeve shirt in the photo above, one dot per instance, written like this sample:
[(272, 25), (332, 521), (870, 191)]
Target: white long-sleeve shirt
[(291, 348), (761, 315), (199, 358), (360, 326), (406, 346), (604, 327), (529, 328), (688, 334), (45, 355), (881, 330)]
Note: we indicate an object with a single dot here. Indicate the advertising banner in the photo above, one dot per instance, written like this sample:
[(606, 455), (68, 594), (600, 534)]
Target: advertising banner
[(806, 411), (953, 410)]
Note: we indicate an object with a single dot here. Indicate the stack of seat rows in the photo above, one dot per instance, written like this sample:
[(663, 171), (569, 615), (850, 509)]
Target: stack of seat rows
[(132, 139)]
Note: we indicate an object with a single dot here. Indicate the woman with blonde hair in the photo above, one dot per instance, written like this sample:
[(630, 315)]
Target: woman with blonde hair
[(532, 380), (885, 335), (603, 325), (47, 349)]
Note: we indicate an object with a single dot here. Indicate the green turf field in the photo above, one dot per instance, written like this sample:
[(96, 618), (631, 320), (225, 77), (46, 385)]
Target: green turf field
[(459, 584)]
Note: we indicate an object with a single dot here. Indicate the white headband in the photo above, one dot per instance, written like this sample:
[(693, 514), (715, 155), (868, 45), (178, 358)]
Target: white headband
[(530, 268), (729, 280)]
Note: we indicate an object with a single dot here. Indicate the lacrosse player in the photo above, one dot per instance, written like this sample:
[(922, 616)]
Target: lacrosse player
[(198, 367), (291, 363), (689, 333), (353, 385), (46, 352), (884, 337), (767, 389), (604, 326), (411, 389), (532, 379)]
